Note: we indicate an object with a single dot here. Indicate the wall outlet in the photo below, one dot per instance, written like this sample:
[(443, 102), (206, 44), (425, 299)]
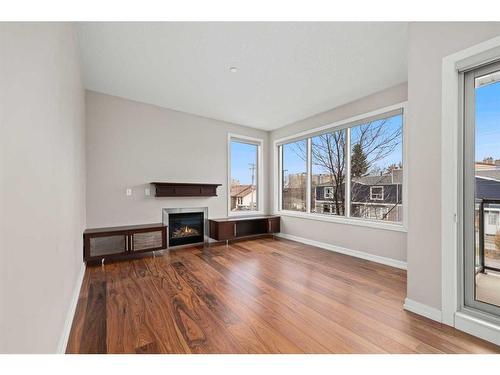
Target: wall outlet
[(128, 192), (147, 192)]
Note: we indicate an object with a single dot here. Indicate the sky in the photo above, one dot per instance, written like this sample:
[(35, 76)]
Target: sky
[(293, 163), (488, 121), (242, 155)]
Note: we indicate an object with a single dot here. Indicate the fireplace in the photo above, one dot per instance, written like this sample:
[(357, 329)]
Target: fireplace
[(186, 226)]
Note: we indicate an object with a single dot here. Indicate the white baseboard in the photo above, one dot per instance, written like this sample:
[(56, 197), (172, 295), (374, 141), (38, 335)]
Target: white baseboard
[(477, 327), (63, 341), (424, 310), (355, 253)]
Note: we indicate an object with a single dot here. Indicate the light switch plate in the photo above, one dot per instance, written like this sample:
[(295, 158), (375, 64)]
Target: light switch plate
[(147, 192), (128, 192)]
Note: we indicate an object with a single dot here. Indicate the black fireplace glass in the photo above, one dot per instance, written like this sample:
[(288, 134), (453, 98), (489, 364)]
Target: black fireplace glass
[(185, 228)]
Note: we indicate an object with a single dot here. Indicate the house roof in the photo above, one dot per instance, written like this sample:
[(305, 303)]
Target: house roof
[(488, 173), (487, 188), (241, 190), (396, 177)]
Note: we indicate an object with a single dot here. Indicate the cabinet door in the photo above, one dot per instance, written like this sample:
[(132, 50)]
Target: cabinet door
[(227, 230), (147, 240), (107, 245), (273, 225)]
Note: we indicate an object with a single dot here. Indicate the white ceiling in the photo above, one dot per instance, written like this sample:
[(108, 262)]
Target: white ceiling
[(286, 71)]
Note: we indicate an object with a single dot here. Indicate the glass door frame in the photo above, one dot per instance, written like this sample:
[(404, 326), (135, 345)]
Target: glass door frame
[(467, 158)]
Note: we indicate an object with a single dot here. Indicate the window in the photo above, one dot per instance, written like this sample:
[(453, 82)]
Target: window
[(377, 193), (294, 176), (328, 192), (328, 172), (244, 174), (377, 158), (353, 170), (493, 218)]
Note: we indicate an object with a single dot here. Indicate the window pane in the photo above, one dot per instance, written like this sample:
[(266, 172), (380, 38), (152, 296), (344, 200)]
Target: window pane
[(328, 173), (294, 176), (244, 176), (377, 169), (487, 188)]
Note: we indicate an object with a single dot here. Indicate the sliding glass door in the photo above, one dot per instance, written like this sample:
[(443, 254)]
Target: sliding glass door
[(481, 189)]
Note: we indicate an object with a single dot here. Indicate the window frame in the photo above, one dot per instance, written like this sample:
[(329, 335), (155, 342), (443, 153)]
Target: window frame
[(372, 194), (259, 142), (330, 195), (339, 125)]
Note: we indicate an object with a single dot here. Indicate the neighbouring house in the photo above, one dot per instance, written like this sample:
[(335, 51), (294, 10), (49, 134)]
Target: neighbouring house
[(243, 198), (488, 188), (372, 197)]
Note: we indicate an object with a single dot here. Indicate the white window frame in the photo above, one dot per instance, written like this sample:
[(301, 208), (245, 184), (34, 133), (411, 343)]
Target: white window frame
[(330, 194), (339, 125), (374, 196), (259, 176)]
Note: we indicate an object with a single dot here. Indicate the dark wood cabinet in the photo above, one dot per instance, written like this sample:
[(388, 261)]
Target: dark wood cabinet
[(117, 242), (273, 224), (222, 230), (230, 228)]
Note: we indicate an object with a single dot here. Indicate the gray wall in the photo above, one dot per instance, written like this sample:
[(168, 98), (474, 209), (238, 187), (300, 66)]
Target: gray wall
[(42, 182), (379, 242), (428, 44), (130, 144)]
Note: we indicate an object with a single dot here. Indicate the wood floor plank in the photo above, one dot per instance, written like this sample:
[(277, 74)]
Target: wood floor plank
[(196, 323), (294, 310), (93, 339), (265, 325), (254, 296), (79, 318)]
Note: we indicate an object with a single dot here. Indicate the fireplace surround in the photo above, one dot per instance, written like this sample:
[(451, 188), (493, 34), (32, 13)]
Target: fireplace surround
[(186, 226)]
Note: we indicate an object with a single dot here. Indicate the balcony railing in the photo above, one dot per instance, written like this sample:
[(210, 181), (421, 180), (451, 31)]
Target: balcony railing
[(482, 266)]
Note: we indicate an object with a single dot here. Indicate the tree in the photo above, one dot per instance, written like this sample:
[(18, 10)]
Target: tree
[(372, 141), (359, 165), (328, 155)]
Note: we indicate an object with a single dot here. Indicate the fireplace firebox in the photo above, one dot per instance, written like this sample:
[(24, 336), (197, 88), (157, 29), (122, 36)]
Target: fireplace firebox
[(185, 226)]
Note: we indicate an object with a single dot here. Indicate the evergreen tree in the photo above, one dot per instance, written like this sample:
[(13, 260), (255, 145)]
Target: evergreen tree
[(359, 165)]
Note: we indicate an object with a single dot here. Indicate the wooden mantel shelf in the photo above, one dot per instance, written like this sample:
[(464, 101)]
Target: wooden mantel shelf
[(180, 189)]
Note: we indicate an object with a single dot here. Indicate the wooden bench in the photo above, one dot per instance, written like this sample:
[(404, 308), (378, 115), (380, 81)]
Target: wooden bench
[(230, 228)]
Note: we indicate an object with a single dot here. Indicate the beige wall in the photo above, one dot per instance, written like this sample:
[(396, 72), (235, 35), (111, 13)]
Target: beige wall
[(378, 242), (428, 44), (130, 144), (42, 183)]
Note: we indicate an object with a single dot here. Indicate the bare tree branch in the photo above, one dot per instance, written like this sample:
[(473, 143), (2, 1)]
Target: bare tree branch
[(328, 154)]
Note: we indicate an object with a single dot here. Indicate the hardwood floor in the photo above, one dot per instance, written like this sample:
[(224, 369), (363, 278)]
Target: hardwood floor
[(254, 296)]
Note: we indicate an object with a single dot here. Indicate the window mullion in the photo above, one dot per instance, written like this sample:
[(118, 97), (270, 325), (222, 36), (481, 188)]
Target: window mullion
[(309, 176), (347, 194)]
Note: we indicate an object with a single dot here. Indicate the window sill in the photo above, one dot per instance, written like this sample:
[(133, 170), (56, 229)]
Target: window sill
[(344, 220)]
